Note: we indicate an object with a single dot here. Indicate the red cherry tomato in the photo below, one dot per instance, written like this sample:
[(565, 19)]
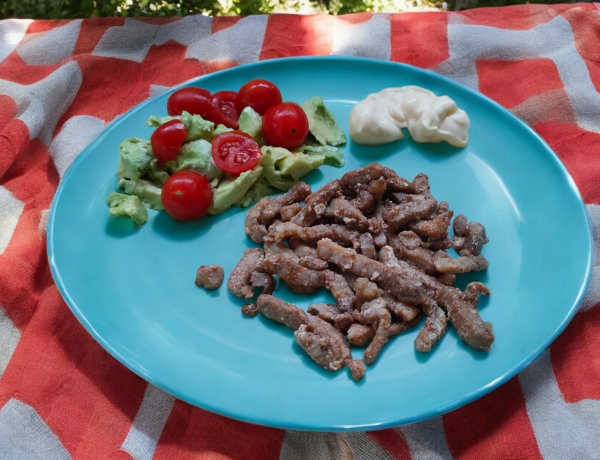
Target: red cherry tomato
[(167, 139), (235, 153), (223, 110), (187, 195), (242, 133), (259, 94), (196, 101), (285, 125)]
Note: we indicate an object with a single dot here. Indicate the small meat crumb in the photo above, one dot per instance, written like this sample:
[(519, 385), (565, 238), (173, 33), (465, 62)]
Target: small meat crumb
[(210, 276), (250, 310)]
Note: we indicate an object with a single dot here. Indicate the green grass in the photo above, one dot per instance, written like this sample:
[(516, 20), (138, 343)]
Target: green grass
[(66, 9)]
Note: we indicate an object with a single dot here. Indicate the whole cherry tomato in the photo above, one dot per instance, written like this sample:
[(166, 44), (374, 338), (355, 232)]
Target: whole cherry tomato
[(259, 94), (285, 125), (235, 153), (167, 139), (196, 101), (187, 195), (224, 111)]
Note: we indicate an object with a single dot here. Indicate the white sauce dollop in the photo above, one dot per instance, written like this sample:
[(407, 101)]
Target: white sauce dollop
[(379, 118)]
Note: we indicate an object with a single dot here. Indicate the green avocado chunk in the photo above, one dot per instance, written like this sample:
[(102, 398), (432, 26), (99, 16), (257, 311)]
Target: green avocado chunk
[(196, 155), (232, 188), (251, 123), (148, 192), (259, 189), (220, 129), (321, 123), (127, 206), (196, 126), (135, 156), (269, 161), (333, 155), (298, 164)]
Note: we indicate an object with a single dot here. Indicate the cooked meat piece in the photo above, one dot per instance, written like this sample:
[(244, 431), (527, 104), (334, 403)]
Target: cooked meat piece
[(273, 249), (462, 264), (443, 207), (305, 250), (256, 230), (297, 275), (350, 279), (263, 280), (413, 286), (436, 245), (282, 312), (239, 279), (367, 246), (447, 278), (272, 209), (325, 311), (369, 195), (370, 172), (284, 230), (420, 184), (433, 329), (460, 225), (287, 212), (357, 368), (380, 240), (472, 241), (414, 208), (399, 328), (388, 257), (367, 291), (345, 235), (343, 321), (435, 228), (376, 313), (300, 289), (313, 263), (323, 343), (360, 334), (210, 276), (250, 310), (345, 211), (315, 204), (474, 288), (410, 240), (420, 257)]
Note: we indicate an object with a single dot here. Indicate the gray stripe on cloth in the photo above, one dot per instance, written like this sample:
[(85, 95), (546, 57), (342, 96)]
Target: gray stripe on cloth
[(303, 445), (563, 430), (148, 424), (9, 338), (25, 436), (427, 440)]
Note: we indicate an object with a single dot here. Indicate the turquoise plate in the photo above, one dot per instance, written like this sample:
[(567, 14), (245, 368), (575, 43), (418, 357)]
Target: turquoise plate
[(134, 291)]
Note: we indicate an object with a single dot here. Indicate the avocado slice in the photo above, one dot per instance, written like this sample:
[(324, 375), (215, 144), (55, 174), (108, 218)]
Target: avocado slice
[(251, 123), (135, 156), (148, 192), (333, 155), (129, 206), (298, 164), (196, 155), (321, 122), (232, 188)]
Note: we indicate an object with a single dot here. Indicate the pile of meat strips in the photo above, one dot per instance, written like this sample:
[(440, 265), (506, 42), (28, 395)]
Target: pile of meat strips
[(376, 241)]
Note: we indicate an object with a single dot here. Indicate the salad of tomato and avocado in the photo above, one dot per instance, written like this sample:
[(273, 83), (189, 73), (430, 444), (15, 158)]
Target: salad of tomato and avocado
[(216, 151)]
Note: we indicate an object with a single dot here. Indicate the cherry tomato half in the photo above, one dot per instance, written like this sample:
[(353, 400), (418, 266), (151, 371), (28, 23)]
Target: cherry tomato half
[(285, 125), (187, 195), (235, 153), (223, 110), (259, 94), (166, 140), (196, 101)]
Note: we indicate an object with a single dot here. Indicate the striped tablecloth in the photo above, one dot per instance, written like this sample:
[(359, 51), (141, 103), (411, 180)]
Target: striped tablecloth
[(63, 397)]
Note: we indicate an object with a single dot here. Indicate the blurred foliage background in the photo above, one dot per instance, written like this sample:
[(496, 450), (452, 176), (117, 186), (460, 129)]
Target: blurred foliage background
[(65, 9)]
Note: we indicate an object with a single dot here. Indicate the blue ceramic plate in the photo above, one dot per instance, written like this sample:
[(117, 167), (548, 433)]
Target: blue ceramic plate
[(134, 291)]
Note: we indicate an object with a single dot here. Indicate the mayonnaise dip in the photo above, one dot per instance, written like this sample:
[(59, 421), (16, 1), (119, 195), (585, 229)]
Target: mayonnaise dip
[(378, 119)]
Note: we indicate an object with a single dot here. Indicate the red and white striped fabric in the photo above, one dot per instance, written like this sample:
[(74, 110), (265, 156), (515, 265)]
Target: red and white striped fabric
[(63, 397)]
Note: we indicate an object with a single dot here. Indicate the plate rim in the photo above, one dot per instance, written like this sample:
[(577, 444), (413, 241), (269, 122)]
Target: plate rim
[(316, 426)]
